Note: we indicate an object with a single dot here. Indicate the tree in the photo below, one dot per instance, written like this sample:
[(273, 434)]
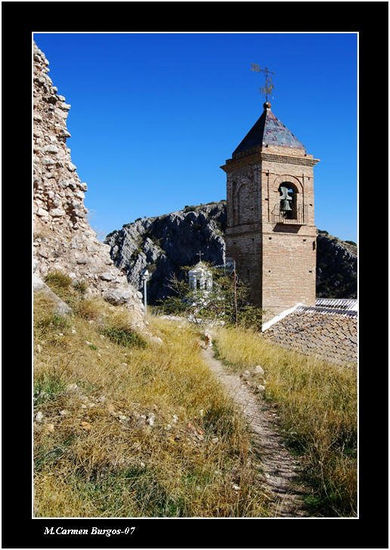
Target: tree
[(227, 302)]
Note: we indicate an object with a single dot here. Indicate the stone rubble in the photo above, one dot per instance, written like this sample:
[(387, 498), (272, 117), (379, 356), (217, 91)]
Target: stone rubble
[(63, 238)]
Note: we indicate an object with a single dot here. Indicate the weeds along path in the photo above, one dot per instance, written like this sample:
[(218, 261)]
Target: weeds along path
[(280, 469)]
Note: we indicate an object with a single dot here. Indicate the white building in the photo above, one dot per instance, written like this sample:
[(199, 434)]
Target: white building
[(200, 277)]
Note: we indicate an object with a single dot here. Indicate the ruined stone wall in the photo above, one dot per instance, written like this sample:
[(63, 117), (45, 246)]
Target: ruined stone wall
[(63, 238)]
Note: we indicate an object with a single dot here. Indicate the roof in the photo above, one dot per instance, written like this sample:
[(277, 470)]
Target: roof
[(329, 335), (200, 266), (268, 130)]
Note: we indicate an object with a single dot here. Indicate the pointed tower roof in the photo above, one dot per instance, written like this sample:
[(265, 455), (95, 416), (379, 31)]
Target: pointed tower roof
[(268, 130)]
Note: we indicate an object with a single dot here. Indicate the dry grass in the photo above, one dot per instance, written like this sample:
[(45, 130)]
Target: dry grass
[(318, 411), (132, 430)]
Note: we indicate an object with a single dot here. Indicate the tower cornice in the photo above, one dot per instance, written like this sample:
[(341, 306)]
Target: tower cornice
[(260, 155), (307, 160)]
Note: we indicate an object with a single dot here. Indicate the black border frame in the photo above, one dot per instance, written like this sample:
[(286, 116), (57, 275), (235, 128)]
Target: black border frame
[(369, 19)]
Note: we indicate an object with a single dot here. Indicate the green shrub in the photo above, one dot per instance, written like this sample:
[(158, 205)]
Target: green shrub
[(54, 321), (80, 286), (58, 279), (47, 386), (124, 336), (228, 301), (89, 309), (60, 284)]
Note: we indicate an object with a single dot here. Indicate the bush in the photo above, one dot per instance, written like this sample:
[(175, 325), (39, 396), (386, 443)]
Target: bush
[(80, 286), (54, 321), (48, 386), (218, 304), (57, 279), (88, 309), (60, 284), (250, 316), (123, 337)]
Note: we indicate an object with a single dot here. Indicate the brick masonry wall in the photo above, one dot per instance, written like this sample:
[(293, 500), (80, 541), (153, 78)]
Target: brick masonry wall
[(277, 170), (277, 260), (289, 271), (246, 250)]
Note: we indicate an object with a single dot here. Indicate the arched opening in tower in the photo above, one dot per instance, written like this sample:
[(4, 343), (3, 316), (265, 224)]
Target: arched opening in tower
[(288, 200)]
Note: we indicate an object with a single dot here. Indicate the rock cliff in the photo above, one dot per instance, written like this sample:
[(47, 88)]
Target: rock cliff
[(63, 238), (167, 243), (336, 267)]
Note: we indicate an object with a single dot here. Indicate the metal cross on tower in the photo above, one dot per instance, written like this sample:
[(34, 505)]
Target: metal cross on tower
[(200, 255), (267, 89)]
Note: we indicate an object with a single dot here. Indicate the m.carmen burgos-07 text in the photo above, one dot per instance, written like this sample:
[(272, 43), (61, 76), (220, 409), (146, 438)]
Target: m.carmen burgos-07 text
[(92, 531)]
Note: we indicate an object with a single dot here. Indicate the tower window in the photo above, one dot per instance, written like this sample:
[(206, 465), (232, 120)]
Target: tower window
[(288, 200)]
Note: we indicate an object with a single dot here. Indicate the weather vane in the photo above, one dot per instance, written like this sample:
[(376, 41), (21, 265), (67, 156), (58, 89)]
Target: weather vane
[(267, 89)]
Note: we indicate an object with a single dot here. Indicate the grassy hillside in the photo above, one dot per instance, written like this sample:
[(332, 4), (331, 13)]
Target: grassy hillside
[(317, 405), (127, 426)]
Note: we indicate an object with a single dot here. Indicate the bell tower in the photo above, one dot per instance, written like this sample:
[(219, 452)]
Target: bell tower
[(270, 216)]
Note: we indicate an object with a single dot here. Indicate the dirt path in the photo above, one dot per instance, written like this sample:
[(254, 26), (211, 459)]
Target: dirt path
[(280, 468)]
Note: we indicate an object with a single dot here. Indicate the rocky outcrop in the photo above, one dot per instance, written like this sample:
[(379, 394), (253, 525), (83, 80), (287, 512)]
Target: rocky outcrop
[(60, 307), (336, 267), (63, 238), (166, 244)]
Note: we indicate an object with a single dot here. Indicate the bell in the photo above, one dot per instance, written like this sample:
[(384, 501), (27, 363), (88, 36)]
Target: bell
[(285, 205), (285, 199)]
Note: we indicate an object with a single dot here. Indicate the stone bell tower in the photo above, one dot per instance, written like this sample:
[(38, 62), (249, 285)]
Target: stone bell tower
[(270, 216)]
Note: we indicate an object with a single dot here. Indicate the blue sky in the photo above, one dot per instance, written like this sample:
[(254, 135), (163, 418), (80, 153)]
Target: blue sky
[(154, 116)]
